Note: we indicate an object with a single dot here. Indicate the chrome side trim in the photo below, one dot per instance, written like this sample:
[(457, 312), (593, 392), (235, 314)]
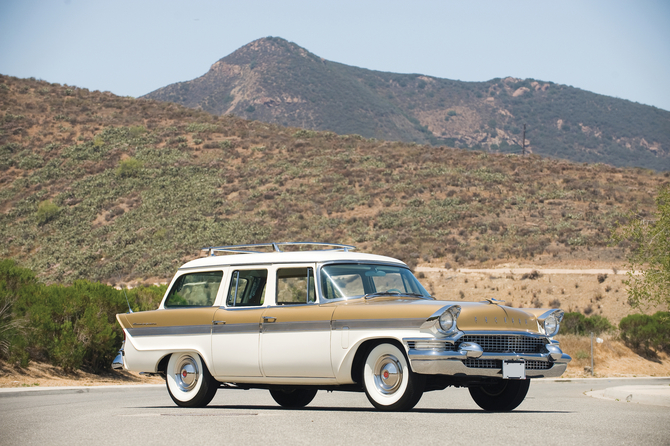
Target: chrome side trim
[(252, 327), (293, 327), (176, 330), (362, 324)]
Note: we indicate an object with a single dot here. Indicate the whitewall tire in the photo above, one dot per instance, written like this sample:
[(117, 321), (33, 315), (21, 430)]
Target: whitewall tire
[(388, 381), (188, 380)]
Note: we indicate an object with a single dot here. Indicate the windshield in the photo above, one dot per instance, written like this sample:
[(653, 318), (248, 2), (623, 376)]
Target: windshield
[(342, 281)]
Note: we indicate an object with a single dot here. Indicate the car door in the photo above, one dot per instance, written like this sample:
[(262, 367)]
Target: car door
[(295, 330), (236, 325)]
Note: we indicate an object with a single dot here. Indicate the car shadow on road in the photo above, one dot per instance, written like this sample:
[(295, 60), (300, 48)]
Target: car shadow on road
[(426, 410)]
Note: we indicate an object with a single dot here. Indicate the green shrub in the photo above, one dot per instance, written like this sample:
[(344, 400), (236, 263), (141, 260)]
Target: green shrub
[(578, 324), (46, 211), (130, 167), (71, 326), (646, 333), (12, 328)]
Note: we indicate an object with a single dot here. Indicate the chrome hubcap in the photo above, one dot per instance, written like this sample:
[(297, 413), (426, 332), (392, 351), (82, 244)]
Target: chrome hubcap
[(388, 374), (187, 374)]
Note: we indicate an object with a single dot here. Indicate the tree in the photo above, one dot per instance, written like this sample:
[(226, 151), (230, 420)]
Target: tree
[(649, 260)]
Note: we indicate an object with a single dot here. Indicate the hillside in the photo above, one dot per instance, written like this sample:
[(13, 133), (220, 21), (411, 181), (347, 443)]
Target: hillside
[(276, 81), (115, 189)]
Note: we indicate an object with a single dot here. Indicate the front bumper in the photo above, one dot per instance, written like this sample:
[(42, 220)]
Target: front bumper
[(470, 360)]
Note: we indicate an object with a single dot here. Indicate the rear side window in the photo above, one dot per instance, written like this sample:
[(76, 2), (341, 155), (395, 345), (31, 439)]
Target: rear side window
[(194, 290), (247, 288), (295, 286)]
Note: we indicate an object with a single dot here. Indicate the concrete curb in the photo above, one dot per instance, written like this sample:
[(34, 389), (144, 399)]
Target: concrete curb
[(658, 395), (30, 391)]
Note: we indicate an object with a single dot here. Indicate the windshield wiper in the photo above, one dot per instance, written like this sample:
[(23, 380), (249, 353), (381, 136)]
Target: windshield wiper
[(394, 293)]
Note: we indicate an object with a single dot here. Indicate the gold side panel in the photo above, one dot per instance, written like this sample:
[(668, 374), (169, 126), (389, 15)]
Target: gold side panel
[(301, 313), (248, 315), (168, 318)]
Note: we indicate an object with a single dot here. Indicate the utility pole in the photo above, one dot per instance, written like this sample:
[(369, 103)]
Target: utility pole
[(523, 146)]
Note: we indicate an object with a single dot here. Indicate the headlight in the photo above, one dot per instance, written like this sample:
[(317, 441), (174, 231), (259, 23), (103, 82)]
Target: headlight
[(551, 325), (447, 321)]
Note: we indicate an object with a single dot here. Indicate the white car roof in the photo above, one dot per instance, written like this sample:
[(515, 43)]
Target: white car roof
[(265, 258)]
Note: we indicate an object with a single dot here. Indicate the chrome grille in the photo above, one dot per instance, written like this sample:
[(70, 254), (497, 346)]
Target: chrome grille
[(483, 363), (506, 343), (497, 364), (538, 365)]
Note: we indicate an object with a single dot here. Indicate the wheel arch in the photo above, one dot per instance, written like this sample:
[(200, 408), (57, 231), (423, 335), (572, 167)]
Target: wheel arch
[(161, 366), (364, 349)]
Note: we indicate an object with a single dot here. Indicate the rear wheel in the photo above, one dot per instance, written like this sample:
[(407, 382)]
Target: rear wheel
[(293, 397), (188, 381), (388, 381), (501, 396)]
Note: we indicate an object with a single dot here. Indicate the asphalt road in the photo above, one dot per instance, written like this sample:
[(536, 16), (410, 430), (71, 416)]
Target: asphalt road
[(553, 413)]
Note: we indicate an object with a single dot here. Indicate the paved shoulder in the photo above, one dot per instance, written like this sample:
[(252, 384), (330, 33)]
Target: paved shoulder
[(24, 391), (657, 395)]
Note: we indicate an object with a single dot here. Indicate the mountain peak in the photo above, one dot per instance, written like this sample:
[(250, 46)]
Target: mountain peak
[(277, 81), (265, 50)]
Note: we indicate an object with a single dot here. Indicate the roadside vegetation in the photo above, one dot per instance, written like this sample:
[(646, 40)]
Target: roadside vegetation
[(73, 327)]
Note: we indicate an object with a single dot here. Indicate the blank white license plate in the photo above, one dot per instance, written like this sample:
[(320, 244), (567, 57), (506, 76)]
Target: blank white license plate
[(514, 370)]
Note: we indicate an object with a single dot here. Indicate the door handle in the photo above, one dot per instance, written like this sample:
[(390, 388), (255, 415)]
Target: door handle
[(269, 319), (219, 323)]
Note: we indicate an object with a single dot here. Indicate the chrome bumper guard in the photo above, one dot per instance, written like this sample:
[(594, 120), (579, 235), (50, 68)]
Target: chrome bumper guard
[(117, 364), (441, 362)]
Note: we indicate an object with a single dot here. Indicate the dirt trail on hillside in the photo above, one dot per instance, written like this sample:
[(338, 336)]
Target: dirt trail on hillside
[(513, 270)]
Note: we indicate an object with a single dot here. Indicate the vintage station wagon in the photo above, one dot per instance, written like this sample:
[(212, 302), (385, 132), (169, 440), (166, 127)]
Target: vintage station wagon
[(295, 322)]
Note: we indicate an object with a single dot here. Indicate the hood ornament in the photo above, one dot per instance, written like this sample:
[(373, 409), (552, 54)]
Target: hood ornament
[(494, 301)]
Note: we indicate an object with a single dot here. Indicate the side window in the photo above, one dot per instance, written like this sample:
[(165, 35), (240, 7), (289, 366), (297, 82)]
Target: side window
[(194, 290), (295, 286), (247, 288), (341, 281)]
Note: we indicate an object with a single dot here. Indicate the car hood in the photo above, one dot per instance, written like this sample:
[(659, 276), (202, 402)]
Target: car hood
[(474, 316)]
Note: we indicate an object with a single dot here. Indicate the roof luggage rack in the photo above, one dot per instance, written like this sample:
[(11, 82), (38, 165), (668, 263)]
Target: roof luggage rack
[(276, 247)]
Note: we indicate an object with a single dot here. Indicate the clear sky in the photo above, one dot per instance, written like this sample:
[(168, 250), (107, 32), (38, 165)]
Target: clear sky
[(132, 47)]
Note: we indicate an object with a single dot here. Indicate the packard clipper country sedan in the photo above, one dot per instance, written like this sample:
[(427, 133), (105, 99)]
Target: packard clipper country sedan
[(294, 321)]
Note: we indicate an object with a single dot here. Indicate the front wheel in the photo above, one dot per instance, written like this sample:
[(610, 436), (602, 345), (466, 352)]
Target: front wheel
[(502, 396), (388, 381), (293, 398), (188, 381)]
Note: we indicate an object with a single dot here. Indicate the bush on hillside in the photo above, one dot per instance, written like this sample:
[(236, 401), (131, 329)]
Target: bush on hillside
[(130, 167), (46, 211), (578, 324), (646, 333)]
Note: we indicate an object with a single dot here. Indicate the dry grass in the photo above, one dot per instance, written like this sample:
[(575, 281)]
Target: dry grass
[(47, 375), (611, 359), (572, 292)]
